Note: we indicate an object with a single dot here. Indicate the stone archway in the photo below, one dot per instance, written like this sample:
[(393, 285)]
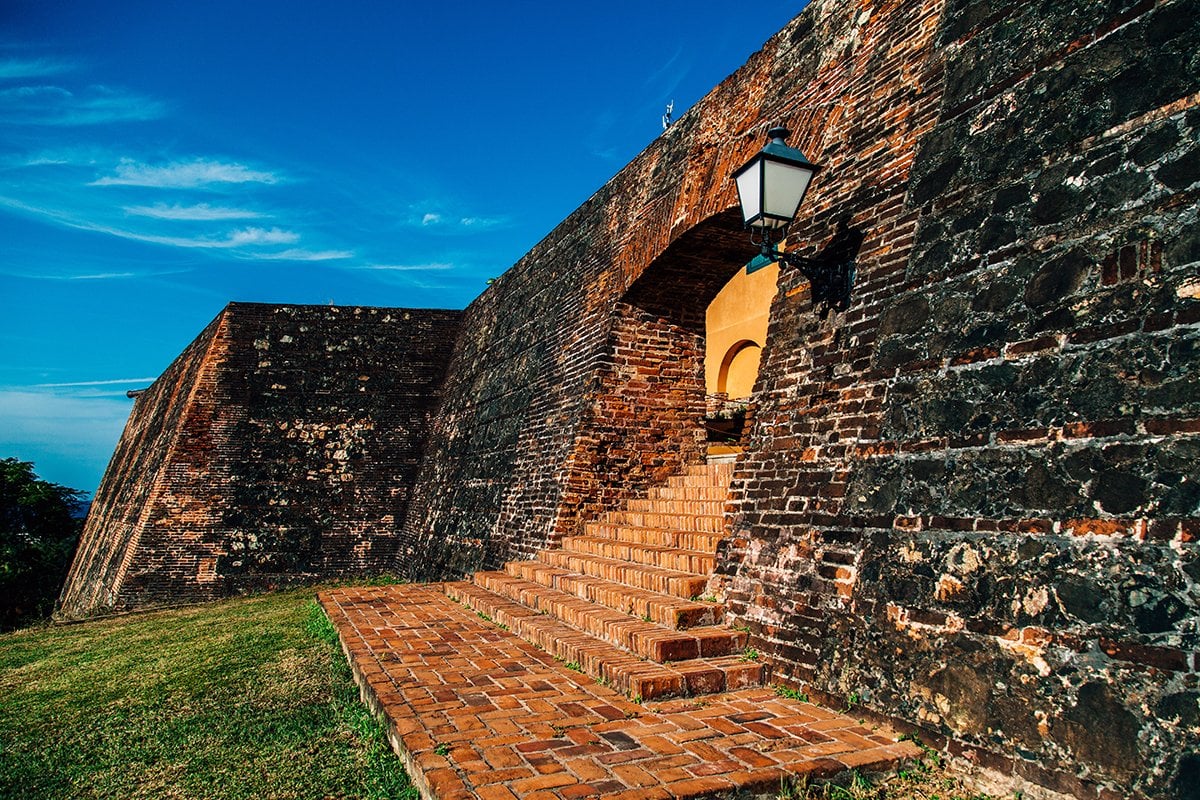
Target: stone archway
[(646, 421)]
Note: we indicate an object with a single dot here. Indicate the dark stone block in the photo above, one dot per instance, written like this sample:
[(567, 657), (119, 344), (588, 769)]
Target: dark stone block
[(935, 181), (1157, 612), (908, 316), (1154, 144), (1082, 599), (1010, 197), (1058, 204), (1182, 172), (1122, 188), (1186, 782), (1057, 279), (1100, 730)]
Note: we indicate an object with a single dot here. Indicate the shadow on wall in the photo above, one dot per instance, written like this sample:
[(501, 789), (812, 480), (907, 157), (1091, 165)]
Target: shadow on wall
[(831, 271)]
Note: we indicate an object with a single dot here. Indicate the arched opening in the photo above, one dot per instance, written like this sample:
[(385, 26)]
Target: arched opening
[(739, 370), (736, 329), (647, 419)]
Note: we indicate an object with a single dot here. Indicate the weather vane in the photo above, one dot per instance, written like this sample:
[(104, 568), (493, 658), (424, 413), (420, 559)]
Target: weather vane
[(666, 118)]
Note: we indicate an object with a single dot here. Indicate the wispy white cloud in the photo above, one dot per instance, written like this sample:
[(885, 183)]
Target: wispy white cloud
[(201, 212), (102, 276), (92, 105), (41, 274), (259, 236), (193, 174), (297, 254), (480, 222), (236, 240), (18, 68), (434, 219)]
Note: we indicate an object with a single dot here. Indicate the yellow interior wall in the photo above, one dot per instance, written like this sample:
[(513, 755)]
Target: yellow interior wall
[(739, 312)]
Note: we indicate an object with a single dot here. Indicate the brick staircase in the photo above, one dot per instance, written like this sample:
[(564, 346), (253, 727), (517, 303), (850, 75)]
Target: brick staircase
[(475, 711), (624, 602)]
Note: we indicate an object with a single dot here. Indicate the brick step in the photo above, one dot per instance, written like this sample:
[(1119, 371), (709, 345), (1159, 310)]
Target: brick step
[(672, 612), (642, 638), (704, 494), (656, 537), (698, 480), (477, 712), (675, 505), (662, 557), (717, 471), (704, 523), (642, 576), (640, 679)]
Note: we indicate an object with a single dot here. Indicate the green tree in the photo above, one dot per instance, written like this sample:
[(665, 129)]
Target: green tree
[(39, 526)]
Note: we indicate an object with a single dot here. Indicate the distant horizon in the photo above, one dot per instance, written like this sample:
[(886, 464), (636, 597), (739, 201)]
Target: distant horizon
[(158, 161)]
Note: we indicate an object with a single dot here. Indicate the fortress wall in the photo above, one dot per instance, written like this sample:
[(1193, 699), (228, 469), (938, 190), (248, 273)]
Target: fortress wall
[(969, 501), (538, 433), (287, 442), (984, 518), (128, 488)]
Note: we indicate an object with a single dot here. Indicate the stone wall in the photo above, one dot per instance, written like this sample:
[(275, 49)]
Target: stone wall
[(968, 503), (969, 500), (280, 447), (984, 522)]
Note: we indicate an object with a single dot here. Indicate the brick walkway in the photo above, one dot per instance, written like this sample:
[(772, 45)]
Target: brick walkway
[(476, 711)]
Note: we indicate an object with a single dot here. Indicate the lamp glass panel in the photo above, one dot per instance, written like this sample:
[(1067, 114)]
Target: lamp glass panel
[(749, 182), (784, 188)]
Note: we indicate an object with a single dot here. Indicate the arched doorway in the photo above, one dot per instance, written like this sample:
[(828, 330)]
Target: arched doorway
[(648, 417), (738, 370)]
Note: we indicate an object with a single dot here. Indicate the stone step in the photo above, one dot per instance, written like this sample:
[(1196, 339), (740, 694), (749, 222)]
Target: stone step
[(641, 679), (672, 612), (702, 523), (663, 557), (676, 505), (700, 494), (477, 712), (642, 576), (655, 537), (642, 638)]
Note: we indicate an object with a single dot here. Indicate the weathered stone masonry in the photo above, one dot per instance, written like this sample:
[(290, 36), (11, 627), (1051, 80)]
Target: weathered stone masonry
[(969, 501), (281, 446)]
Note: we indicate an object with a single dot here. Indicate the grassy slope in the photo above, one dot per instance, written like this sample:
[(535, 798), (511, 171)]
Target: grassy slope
[(247, 698)]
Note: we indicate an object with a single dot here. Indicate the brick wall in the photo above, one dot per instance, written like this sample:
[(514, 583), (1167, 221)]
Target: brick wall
[(968, 502), (969, 498), (984, 523), (280, 447)]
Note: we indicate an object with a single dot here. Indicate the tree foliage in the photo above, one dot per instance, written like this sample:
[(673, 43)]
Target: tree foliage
[(39, 526)]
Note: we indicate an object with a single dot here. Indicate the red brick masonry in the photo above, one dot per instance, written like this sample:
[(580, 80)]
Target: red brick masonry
[(474, 711)]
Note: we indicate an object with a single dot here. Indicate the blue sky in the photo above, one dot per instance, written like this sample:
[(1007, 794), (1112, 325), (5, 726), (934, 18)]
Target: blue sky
[(160, 159)]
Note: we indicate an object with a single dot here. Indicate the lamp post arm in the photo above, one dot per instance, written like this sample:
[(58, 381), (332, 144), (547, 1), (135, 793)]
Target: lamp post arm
[(831, 281)]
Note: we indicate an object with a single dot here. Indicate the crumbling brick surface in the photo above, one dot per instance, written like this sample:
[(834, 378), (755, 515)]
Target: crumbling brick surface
[(281, 446), (969, 498)]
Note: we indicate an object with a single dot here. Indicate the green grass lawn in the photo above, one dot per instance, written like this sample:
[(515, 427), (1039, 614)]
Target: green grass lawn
[(247, 698)]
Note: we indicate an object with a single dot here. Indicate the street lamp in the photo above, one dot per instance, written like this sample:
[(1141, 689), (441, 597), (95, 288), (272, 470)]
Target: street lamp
[(771, 186)]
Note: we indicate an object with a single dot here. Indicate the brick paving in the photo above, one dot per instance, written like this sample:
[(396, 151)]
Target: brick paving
[(597, 670), (476, 711)]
